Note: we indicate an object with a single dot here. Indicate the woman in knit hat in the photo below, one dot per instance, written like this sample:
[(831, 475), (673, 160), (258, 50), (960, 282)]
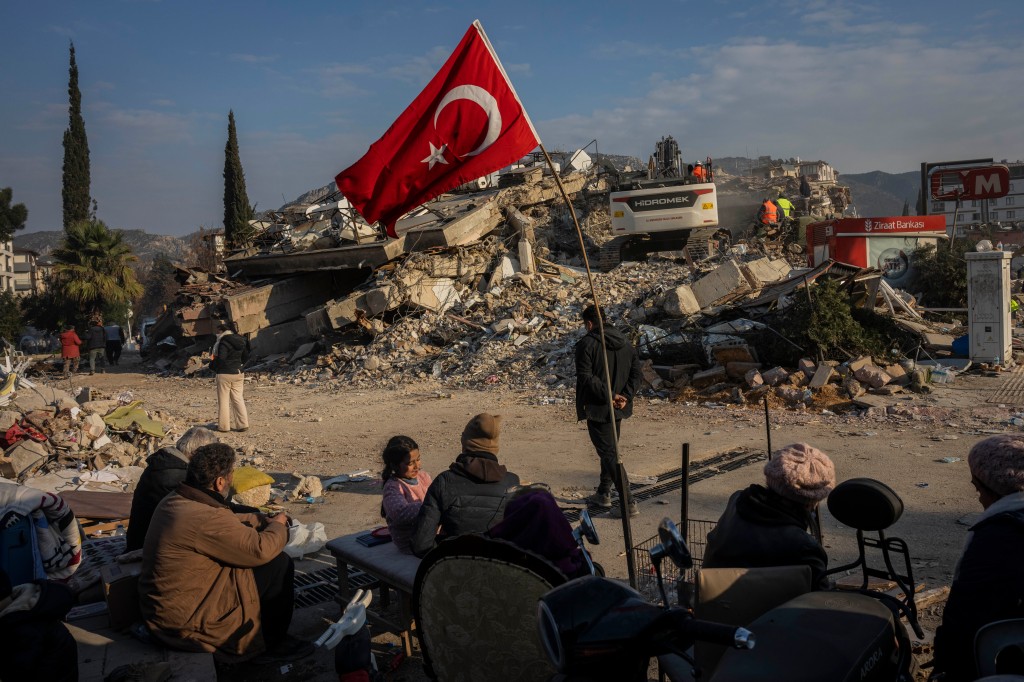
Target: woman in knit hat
[(987, 585), (470, 497), (768, 525)]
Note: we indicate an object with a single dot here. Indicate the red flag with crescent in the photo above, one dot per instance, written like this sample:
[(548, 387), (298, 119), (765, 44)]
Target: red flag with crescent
[(466, 123)]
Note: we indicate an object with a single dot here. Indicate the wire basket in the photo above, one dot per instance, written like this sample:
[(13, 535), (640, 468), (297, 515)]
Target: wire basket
[(647, 581)]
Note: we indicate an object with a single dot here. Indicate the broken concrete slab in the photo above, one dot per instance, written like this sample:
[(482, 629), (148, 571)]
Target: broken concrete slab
[(433, 293), (279, 338), (281, 301), (735, 370), (708, 376), (807, 366), (22, 457), (857, 363), (302, 351), (734, 352), (680, 302), (465, 224), (898, 375), (721, 284), (763, 271)]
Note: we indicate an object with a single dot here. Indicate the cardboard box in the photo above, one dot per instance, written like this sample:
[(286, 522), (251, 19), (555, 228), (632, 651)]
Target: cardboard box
[(121, 589)]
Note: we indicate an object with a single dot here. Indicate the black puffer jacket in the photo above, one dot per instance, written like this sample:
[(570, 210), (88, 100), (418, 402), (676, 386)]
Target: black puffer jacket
[(34, 644), (591, 388), (987, 587), (232, 354), (761, 528), (165, 471), (95, 338), (468, 498)]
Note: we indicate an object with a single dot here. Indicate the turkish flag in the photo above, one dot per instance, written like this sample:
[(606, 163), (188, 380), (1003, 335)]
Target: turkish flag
[(466, 123)]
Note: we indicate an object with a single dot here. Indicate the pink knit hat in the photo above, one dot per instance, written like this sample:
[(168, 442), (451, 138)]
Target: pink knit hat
[(998, 462), (800, 472)]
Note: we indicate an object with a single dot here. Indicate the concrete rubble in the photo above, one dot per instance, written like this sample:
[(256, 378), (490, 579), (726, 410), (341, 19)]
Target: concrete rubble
[(486, 288)]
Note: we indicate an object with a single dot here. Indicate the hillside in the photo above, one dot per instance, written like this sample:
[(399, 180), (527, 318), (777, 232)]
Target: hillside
[(145, 245), (882, 194)]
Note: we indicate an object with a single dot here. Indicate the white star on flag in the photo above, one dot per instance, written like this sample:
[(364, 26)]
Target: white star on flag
[(436, 156)]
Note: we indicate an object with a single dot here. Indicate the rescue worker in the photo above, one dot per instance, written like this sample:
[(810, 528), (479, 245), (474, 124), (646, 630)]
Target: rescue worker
[(700, 173), (768, 214), (785, 205)]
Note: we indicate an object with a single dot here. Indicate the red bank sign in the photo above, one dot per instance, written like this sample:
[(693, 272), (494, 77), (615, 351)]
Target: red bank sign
[(982, 182)]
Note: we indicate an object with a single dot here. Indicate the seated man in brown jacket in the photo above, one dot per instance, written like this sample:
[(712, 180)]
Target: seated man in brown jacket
[(213, 580)]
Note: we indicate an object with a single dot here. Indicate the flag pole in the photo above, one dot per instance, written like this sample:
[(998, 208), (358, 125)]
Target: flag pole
[(624, 496)]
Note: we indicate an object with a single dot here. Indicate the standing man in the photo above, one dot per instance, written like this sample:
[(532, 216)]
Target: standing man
[(114, 336), (214, 580), (592, 397), (95, 343), (70, 349), (230, 352)]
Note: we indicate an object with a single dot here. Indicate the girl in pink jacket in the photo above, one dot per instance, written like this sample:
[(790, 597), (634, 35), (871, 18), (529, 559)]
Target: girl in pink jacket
[(405, 486)]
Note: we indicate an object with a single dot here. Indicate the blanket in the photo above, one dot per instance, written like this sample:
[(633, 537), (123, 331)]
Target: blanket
[(58, 541)]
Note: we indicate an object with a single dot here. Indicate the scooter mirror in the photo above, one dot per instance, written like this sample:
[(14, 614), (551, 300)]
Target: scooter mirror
[(588, 528), (672, 545)]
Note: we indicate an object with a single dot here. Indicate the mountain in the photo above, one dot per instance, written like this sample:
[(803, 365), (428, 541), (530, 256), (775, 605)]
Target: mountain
[(882, 194), (144, 245)]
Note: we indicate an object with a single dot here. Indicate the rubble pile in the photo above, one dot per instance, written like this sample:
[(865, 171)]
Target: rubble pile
[(47, 430)]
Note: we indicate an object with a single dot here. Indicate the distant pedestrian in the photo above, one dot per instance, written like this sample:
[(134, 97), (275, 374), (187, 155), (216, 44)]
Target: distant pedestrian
[(95, 343), (115, 342), (592, 400), (230, 353), (70, 349)]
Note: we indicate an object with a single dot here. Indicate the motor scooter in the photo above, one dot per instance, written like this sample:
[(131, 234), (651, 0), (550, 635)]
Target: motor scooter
[(597, 629), (586, 530)]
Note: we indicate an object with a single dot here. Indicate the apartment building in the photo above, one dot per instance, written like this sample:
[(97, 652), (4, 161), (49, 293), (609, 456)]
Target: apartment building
[(1005, 213)]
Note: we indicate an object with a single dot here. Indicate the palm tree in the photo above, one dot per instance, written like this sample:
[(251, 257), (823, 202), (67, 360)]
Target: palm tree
[(94, 267)]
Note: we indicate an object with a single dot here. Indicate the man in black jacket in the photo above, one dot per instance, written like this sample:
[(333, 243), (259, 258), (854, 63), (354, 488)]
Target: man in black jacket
[(230, 352), (95, 343), (592, 401), (768, 525), (470, 497), (165, 471)]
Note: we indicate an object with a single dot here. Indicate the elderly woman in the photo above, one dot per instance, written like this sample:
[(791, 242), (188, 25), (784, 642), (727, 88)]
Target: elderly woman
[(768, 526), (987, 585), (165, 471)]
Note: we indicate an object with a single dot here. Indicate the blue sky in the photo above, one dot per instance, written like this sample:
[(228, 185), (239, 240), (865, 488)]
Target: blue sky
[(865, 86)]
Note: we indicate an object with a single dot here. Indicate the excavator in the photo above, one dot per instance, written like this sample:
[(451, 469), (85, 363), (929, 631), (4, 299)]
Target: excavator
[(659, 209)]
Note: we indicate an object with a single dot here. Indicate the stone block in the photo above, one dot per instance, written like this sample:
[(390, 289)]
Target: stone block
[(775, 376), (8, 419), (753, 378), (873, 376), (822, 375), (680, 302), (732, 352), (725, 281), (21, 457), (898, 375), (807, 366), (763, 271), (862, 361), (708, 376), (94, 425), (735, 370), (852, 387)]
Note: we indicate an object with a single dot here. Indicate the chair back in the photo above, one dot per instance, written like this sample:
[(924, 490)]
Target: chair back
[(475, 604), (739, 596), (995, 638)]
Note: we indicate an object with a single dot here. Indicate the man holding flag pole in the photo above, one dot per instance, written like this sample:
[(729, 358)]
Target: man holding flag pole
[(467, 122)]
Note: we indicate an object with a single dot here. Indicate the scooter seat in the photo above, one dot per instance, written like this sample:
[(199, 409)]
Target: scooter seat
[(834, 636), (865, 504)]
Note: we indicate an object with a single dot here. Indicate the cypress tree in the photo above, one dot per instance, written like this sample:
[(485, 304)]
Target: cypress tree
[(906, 207), (75, 186), (237, 210)]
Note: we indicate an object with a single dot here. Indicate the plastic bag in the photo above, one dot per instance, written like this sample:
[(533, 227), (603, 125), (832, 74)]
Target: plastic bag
[(305, 538)]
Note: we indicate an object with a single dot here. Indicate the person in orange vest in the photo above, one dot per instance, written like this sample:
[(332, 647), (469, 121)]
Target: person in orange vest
[(700, 173), (768, 214)]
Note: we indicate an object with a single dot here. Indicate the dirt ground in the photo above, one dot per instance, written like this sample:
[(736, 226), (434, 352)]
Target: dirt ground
[(298, 429)]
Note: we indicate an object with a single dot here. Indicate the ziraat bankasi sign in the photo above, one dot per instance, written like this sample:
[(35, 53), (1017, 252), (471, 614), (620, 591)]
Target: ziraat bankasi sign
[(889, 225)]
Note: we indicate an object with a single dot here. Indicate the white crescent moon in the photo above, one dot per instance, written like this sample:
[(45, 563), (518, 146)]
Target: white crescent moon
[(486, 101)]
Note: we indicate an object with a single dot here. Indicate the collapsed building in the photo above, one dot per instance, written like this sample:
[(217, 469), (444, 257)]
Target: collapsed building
[(486, 287)]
